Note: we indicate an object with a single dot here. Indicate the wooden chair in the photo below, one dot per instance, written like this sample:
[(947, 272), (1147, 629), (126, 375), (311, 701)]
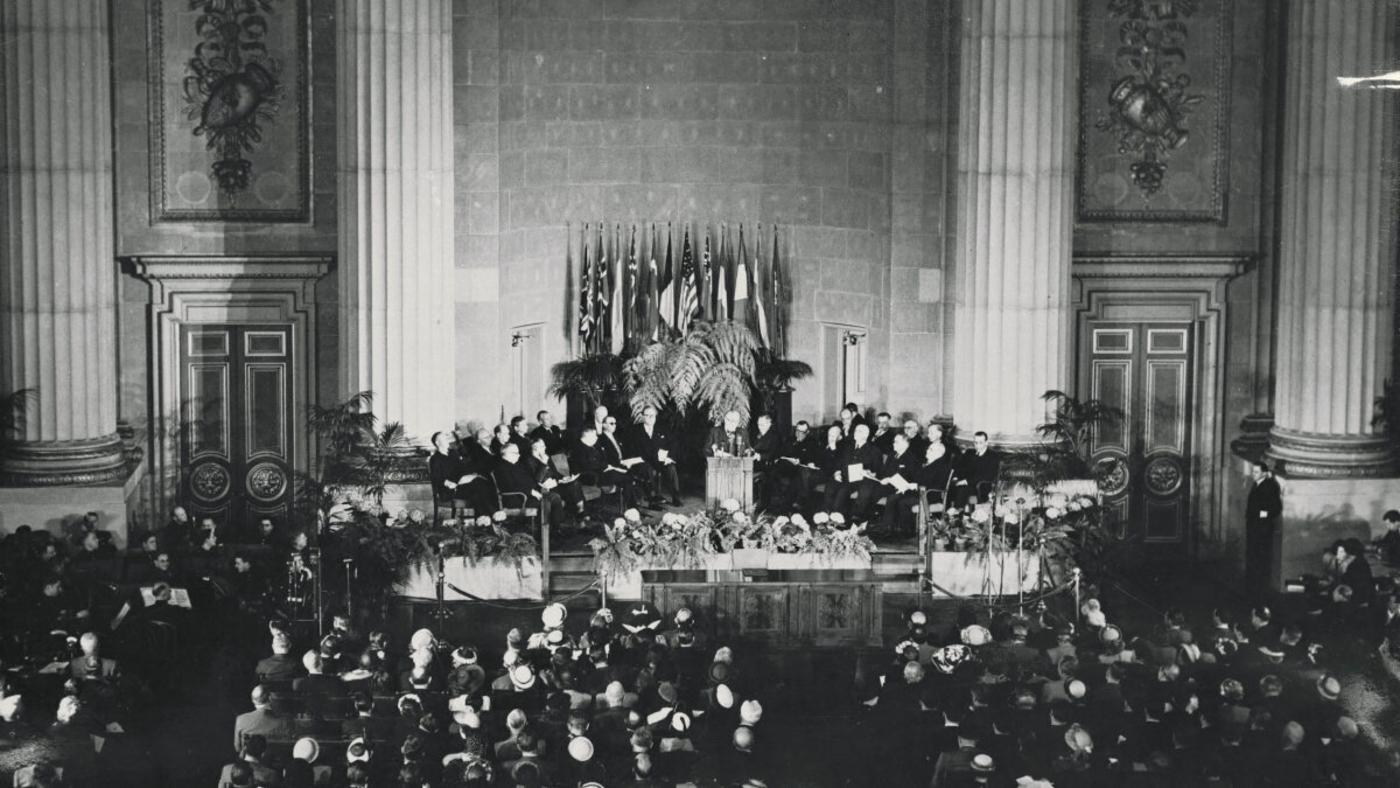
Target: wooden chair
[(456, 508), (517, 505), (594, 491)]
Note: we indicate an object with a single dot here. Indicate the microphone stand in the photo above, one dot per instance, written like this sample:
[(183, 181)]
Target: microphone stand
[(440, 613), (350, 576)]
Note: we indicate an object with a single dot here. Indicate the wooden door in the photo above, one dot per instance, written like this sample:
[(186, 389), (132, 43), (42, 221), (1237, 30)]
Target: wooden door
[(236, 393), (1146, 369)]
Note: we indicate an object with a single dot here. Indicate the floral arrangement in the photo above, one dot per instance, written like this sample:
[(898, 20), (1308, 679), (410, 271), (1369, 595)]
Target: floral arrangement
[(1032, 523), (688, 541)]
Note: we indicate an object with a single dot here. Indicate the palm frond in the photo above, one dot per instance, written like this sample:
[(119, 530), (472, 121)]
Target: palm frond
[(591, 377), (725, 387)]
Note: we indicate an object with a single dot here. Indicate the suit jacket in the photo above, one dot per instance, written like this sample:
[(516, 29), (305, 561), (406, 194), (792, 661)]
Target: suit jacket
[(936, 475), (515, 478), (613, 450), (263, 722), (553, 437), (646, 446), (903, 464), (106, 668), (735, 443), (543, 470), (444, 468), (884, 440), (479, 459), (867, 455), (1265, 502), (590, 460), (828, 459), (979, 469), (279, 667), (804, 451), (767, 446)]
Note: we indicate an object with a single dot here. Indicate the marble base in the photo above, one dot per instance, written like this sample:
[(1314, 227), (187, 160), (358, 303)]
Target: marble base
[(64, 463), (59, 509), (1302, 454), (1317, 512)]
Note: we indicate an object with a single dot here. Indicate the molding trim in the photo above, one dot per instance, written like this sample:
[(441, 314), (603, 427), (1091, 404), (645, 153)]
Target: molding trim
[(1120, 266), (61, 463), (1321, 456)]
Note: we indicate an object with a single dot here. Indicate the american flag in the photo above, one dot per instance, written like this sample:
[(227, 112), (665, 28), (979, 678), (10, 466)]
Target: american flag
[(689, 295)]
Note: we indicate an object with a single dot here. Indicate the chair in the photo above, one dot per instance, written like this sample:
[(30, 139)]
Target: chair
[(525, 506), (594, 489), (456, 508)]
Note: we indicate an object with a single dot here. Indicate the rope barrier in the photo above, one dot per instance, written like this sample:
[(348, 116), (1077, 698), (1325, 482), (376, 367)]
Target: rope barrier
[(530, 606)]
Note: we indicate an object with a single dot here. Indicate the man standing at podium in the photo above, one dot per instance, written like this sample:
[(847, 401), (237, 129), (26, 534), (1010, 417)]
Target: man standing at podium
[(727, 440)]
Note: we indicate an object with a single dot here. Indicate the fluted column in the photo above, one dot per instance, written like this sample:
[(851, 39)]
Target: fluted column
[(1337, 241), (395, 268), (1015, 214), (57, 267)]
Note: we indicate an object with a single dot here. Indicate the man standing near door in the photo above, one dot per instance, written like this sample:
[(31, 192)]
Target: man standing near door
[(1262, 512)]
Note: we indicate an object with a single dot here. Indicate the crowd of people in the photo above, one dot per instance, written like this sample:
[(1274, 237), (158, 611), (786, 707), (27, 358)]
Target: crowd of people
[(1237, 698), (632, 699), (849, 466)]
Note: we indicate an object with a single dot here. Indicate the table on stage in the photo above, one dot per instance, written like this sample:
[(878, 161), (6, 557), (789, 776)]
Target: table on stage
[(729, 477)]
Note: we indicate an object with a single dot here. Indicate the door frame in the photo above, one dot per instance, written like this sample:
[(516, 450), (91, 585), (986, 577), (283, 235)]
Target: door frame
[(232, 290), (1136, 288)]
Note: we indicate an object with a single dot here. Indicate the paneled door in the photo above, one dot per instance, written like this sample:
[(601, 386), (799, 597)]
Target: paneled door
[(235, 392), (1146, 370)]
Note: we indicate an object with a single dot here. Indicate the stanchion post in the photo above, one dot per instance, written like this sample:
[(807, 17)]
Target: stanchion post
[(1074, 579)]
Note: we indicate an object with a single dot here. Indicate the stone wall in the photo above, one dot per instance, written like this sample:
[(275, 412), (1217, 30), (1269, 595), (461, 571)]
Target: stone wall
[(774, 112)]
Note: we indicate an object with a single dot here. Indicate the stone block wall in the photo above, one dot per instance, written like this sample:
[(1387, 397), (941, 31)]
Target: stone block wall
[(791, 112)]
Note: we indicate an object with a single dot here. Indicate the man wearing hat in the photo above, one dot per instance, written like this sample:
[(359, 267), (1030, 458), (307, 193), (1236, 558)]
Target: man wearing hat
[(954, 767)]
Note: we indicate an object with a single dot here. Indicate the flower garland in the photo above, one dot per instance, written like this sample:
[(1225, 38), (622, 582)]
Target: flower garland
[(688, 541), (1036, 524)]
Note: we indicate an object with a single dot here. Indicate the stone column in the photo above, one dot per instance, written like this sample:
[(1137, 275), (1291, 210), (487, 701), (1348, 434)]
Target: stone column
[(57, 265), (1015, 214), (395, 212), (1337, 247)]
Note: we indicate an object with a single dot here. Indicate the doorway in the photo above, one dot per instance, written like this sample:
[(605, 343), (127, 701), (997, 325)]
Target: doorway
[(1145, 369), (236, 400)]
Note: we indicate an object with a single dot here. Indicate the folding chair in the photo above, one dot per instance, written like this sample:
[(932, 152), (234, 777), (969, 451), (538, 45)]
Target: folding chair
[(527, 507)]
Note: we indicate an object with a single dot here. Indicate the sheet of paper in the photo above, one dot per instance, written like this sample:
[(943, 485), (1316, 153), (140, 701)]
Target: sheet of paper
[(630, 461), (663, 455), (855, 472)]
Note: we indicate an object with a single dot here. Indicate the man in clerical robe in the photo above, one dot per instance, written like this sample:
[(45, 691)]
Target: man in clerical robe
[(455, 478)]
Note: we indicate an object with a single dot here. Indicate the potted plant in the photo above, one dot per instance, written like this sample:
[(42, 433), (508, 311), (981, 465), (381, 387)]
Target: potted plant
[(711, 369), (586, 382)]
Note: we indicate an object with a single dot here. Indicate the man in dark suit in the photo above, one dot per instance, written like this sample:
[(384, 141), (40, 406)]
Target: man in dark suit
[(588, 458), (883, 434), (727, 439), (478, 454), (518, 435), (622, 456), (514, 477), (977, 471), (1262, 511), (261, 721), (848, 419), (862, 480), (917, 442), (561, 494), (652, 442), (281, 667), (555, 442), (767, 444), (794, 467), (827, 458), (454, 478), (898, 483)]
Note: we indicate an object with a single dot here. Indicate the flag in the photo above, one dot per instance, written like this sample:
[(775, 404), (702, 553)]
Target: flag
[(653, 293), (721, 264), (779, 311), (631, 284), (687, 286), (585, 305), (743, 295), (762, 291), (666, 297), (618, 333), (602, 292), (706, 277)]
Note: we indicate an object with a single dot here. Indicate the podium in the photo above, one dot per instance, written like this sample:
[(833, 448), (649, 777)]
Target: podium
[(729, 477)]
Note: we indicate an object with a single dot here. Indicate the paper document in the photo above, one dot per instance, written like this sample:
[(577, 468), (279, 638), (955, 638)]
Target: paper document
[(663, 455), (855, 472), (630, 461), (179, 597)]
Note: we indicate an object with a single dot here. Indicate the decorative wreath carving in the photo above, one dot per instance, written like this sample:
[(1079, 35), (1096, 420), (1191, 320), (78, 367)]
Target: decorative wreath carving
[(266, 481), (209, 481), (1163, 475), (1115, 476)]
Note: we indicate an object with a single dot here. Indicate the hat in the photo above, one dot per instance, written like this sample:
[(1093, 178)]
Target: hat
[(554, 639), (522, 676), (412, 746), (1096, 618), (465, 655), (515, 638), (358, 751), (421, 639), (467, 718), (719, 672), (405, 698), (976, 635), (1346, 728), (1025, 699), (724, 696), (750, 712), (1274, 655), (684, 616), (1328, 687), (1232, 689), (1078, 740), (1111, 634), (667, 692), (982, 762), (917, 618), (948, 658), (1293, 733), (680, 722), (1076, 689), (553, 615), (724, 654), (581, 749), (306, 749)]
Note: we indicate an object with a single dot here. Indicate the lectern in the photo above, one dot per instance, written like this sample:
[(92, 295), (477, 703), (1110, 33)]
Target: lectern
[(729, 477)]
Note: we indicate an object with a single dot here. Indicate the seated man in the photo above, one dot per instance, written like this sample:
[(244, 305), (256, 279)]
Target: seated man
[(555, 441), (793, 468), (1389, 543), (514, 478), (917, 442), (499, 438), (588, 459), (883, 434), (727, 439), (518, 436), (455, 479), (559, 494), (934, 474), (652, 442), (977, 472), (859, 467), (622, 457)]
